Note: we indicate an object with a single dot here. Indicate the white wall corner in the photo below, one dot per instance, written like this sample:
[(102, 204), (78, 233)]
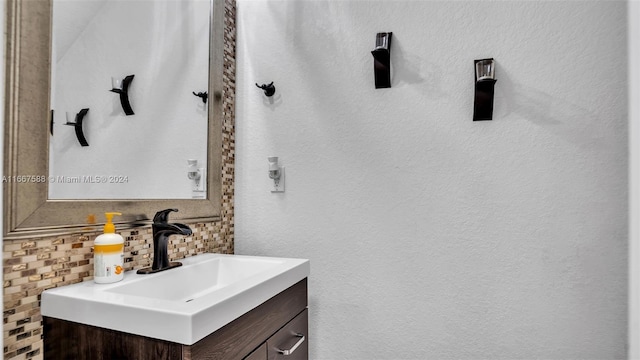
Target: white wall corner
[(634, 176)]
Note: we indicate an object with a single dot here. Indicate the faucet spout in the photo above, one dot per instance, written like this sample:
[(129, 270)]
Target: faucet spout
[(161, 233), (162, 230)]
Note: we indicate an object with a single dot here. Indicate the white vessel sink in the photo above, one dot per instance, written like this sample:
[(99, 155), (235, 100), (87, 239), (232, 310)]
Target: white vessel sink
[(182, 304)]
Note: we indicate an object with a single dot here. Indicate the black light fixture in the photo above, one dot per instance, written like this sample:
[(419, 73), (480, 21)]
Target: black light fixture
[(382, 60), (77, 124), (485, 80), (122, 88)]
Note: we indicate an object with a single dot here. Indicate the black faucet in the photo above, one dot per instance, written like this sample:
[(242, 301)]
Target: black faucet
[(162, 229)]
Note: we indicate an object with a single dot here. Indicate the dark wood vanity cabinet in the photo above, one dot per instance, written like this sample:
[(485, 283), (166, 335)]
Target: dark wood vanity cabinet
[(290, 342), (269, 331)]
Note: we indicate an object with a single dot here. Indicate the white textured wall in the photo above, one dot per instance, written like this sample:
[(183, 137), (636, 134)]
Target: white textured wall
[(432, 236), (634, 178), (165, 45)]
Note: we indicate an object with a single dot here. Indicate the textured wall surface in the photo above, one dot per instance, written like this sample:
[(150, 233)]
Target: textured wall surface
[(633, 42), (432, 236), (31, 266)]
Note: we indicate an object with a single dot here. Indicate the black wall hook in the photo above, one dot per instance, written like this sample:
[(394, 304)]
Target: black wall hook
[(124, 94), (382, 60), (77, 124), (269, 90), (202, 95)]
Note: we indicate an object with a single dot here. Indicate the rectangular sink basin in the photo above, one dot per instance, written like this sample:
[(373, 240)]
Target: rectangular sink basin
[(181, 305), (203, 277)]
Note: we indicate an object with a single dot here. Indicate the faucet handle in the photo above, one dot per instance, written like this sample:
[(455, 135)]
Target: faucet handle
[(162, 216)]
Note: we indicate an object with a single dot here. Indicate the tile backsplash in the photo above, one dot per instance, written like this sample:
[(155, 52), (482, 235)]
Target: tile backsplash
[(33, 265)]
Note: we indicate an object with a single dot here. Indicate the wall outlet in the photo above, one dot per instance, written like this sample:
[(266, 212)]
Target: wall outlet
[(277, 186)]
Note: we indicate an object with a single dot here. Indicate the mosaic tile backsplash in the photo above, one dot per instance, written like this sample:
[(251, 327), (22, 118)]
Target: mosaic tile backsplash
[(33, 265)]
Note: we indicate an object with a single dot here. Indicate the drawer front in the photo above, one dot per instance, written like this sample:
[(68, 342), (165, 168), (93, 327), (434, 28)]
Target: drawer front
[(291, 342), (258, 354)]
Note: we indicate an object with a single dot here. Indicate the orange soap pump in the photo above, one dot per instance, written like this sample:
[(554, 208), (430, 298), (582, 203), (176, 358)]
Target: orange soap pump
[(108, 254)]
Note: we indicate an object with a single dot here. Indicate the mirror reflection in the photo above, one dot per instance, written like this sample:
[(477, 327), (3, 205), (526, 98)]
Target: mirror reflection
[(153, 54)]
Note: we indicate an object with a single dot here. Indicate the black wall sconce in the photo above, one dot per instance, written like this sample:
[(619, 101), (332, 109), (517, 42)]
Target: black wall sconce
[(122, 88), (202, 95), (382, 60), (77, 124), (51, 122), (269, 89), (485, 70)]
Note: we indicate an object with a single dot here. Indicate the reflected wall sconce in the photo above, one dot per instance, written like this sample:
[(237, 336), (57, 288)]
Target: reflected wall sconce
[(122, 88), (77, 124), (485, 79), (51, 122), (202, 95), (269, 89), (382, 60)]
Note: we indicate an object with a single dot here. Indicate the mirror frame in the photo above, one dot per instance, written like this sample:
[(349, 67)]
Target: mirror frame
[(28, 212)]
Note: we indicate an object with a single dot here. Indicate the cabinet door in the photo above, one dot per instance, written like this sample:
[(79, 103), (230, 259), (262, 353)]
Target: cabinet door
[(290, 342), (258, 354)]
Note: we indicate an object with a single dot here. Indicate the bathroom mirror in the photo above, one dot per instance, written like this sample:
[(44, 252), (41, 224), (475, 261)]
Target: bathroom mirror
[(135, 67), (28, 209)]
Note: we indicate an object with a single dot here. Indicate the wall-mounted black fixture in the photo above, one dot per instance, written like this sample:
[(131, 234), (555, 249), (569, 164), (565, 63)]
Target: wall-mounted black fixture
[(382, 60), (269, 89), (77, 124), (202, 95), (51, 123), (122, 88), (485, 78)]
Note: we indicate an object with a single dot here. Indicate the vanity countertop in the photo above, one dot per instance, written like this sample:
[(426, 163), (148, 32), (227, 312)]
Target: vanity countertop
[(181, 305)]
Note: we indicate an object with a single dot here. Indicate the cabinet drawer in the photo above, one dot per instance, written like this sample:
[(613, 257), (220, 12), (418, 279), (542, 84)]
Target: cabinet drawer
[(290, 342), (258, 354)]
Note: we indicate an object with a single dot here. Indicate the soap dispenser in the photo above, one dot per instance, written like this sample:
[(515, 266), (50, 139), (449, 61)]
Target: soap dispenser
[(108, 254)]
